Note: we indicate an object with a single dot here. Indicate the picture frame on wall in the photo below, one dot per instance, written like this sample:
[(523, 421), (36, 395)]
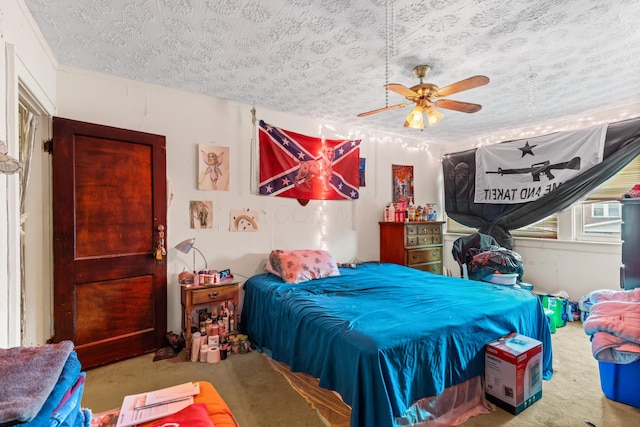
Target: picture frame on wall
[(213, 167), (201, 214), (402, 181), (362, 170)]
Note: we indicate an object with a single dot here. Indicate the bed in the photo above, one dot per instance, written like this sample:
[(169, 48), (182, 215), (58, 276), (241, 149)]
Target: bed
[(384, 336)]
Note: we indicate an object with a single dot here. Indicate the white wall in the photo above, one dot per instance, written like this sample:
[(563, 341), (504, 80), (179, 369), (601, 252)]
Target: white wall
[(188, 119), (26, 65)]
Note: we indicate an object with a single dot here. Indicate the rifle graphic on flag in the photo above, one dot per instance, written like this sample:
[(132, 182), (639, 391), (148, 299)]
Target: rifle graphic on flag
[(542, 168), (303, 167)]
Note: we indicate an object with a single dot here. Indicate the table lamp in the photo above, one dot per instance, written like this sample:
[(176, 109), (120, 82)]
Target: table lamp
[(186, 245)]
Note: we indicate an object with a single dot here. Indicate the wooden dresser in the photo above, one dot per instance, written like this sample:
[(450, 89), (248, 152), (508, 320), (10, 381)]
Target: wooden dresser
[(414, 244)]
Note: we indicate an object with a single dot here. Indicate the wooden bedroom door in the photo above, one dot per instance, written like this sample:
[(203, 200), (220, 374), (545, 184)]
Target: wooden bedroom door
[(109, 200)]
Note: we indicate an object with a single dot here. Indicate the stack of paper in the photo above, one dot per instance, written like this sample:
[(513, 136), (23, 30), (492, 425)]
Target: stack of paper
[(143, 407)]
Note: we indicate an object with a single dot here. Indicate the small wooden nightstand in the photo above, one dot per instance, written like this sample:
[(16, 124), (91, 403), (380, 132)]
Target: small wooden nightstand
[(193, 297)]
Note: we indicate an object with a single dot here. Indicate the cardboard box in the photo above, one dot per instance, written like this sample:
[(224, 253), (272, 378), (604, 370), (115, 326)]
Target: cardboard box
[(513, 372)]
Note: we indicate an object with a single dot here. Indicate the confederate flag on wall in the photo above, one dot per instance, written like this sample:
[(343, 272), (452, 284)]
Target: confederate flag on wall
[(304, 167)]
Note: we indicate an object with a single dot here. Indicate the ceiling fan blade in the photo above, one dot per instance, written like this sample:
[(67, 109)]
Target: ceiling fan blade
[(380, 110), (465, 107), (402, 90), (465, 84)]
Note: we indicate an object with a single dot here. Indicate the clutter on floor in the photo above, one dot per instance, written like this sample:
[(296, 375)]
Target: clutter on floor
[(481, 258), (513, 372), (612, 321)]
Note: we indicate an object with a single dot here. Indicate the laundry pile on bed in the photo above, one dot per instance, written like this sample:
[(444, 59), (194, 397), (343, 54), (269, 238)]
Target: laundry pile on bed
[(42, 386), (613, 322)]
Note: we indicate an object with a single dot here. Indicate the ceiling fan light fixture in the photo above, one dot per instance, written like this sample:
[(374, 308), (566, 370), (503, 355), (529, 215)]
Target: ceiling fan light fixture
[(433, 116), (427, 96), (415, 119)]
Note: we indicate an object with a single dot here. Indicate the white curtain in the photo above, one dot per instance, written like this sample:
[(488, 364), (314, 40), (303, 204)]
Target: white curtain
[(26, 139)]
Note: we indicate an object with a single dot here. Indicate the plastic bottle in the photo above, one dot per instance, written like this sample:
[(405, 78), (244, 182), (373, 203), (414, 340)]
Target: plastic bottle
[(196, 279), (392, 213), (411, 211), (225, 319)]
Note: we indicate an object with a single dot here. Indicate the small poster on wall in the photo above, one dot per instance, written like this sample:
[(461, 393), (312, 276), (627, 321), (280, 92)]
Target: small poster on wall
[(363, 164), (243, 220), (213, 167), (201, 213), (402, 183)]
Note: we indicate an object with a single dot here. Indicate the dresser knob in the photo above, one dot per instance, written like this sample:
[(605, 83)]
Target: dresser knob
[(213, 294)]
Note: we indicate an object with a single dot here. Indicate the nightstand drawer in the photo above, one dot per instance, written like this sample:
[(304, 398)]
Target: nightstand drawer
[(419, 256), (213, 294)]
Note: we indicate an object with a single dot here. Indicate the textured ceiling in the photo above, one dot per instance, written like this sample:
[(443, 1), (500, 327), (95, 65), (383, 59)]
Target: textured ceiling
[(330, 59)]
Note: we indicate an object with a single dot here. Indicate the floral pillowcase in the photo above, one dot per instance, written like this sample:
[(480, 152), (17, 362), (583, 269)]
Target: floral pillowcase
[(301, 265)]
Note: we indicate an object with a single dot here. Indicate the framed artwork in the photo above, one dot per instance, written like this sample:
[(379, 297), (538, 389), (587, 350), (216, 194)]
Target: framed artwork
[(363, 163), (402, 177), (243, 220), (213, 167), (201, 214)]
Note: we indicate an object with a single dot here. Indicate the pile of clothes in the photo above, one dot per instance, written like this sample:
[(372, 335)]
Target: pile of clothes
[(42, 386), (613, 322), (480, 256)]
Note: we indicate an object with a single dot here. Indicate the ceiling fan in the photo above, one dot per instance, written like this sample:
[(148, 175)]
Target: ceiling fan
[(425, 95)]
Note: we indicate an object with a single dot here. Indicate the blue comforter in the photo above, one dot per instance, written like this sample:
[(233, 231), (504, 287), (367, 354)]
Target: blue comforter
[(383, 335)]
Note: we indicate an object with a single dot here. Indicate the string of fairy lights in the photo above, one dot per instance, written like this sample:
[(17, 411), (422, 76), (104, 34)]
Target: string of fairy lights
[(376, 138)]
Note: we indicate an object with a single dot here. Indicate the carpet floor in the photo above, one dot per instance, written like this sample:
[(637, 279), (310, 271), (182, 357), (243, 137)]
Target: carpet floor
[(260, 396)]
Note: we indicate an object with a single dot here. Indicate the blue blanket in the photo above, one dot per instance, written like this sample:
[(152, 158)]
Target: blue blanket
[(384, 336)]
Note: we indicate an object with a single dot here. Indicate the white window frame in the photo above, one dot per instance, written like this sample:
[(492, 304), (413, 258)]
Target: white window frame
[(580, 235)]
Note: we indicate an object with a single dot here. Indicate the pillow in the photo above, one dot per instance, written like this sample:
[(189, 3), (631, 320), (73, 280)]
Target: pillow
[(301, 265), (273, 264)]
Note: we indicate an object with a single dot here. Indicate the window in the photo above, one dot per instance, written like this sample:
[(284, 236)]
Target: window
[(543, 229), (605, 210), (598, 217), (546, 228)]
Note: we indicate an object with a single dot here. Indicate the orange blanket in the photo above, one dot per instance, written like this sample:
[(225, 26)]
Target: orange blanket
[(219, 412)]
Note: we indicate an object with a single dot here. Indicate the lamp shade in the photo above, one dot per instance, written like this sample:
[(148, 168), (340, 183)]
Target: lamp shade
[(187, 245), (433, 116), (415, 119)]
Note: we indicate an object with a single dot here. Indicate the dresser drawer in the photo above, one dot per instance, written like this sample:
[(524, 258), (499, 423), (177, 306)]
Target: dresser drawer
[(426, 239), (429, 229), (213, 294), (433, 267), (412, 230), (419, 256)]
